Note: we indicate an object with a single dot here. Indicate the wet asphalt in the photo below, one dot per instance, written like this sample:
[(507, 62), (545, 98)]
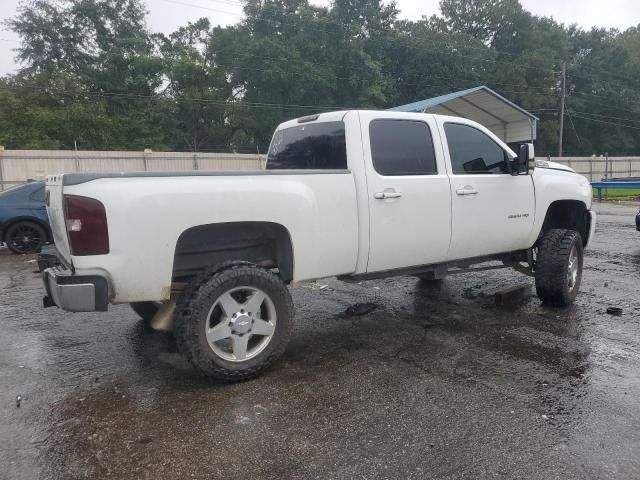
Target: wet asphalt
[(437, 382)]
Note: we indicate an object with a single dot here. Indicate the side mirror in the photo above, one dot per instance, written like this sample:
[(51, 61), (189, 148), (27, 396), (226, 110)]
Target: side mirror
[(526, 154)]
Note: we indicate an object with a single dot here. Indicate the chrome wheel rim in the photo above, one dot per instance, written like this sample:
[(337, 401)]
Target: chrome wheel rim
[(240, 324), (25, 239), (572, 268)]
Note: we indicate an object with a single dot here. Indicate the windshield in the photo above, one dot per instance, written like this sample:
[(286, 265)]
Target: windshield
[(308, 147)]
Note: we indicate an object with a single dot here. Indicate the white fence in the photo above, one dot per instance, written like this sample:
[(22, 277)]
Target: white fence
[(16, 166), (597, 168)]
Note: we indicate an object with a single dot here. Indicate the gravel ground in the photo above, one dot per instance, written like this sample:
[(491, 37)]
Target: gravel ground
[(437, 382)]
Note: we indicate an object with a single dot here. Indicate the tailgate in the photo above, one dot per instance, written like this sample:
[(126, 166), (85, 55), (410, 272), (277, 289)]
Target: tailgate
[(55, 210)]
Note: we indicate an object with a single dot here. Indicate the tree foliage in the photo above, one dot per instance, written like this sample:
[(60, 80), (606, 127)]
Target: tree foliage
[(94, 75)]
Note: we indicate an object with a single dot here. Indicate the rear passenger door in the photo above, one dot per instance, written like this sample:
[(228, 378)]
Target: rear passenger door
[(492, 210), (408, 188)]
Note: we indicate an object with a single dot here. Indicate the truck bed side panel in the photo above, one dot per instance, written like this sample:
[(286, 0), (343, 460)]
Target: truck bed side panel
[(147, 215)]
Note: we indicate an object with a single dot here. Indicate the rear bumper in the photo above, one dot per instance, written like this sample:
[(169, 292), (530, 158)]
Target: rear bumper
[(74, 293)]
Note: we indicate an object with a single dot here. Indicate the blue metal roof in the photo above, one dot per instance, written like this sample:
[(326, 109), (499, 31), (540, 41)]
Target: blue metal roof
[(424, 105)]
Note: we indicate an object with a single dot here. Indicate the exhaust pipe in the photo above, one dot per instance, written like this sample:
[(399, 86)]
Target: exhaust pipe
[(162, 321)]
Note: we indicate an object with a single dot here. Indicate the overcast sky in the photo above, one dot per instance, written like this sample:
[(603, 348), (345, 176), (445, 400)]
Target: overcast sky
[(167, 15)]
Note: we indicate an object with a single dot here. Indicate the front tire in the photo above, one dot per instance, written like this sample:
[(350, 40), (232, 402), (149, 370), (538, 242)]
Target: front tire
[(25, 237), (235, 323), (559, 267)]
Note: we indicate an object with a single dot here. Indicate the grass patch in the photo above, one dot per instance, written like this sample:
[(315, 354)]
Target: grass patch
[(626, 194)]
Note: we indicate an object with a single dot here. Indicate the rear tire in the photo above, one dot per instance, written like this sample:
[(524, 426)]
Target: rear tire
[(233, 324), (25, 237), (145, 310), (559, 267)]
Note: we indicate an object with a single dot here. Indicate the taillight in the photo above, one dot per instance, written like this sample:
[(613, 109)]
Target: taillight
[(86, 222)]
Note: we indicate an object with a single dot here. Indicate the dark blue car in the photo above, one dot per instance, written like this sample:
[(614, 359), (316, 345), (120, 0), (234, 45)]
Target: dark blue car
[(24, 225)]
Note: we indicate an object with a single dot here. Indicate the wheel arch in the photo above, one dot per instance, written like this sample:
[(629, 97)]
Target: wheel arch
[(570, 215), (266, 244)]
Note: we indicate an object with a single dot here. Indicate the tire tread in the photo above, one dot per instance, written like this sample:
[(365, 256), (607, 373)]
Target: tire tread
[(189, 308), (553, 251)]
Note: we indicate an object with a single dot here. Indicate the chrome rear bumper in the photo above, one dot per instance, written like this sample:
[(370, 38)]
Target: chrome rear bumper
[(74, 293)]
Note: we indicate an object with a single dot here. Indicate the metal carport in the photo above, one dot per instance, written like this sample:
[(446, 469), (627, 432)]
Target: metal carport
[(507, 120)]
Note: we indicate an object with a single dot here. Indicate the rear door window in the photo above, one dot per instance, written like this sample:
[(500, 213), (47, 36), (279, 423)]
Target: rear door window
[(313, 146), (474, 152), (402, 147)]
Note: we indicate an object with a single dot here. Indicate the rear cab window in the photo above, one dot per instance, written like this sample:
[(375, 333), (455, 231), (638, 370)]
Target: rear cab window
[(311, 146), (402, 147)]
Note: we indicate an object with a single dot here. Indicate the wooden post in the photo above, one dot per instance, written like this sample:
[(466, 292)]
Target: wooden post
[(1, 173), (563, 81), (145, 152)]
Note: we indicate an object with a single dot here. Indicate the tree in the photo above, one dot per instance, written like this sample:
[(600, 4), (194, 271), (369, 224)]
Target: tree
[(95, 76), (103, 49)]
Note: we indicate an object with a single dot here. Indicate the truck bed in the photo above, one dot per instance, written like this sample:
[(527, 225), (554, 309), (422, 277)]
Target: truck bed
[(79, 178)]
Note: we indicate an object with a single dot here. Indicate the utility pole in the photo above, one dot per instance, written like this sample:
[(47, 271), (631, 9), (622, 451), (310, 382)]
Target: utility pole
[(563, 96)]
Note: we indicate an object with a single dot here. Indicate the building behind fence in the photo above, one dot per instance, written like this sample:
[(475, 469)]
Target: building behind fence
[(16, 166)]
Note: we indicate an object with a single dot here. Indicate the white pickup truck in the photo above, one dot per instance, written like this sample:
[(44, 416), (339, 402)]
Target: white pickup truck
[(352, 194)]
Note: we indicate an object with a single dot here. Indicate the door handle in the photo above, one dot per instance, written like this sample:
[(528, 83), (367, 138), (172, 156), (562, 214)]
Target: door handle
[(385, 195), (467, 190)]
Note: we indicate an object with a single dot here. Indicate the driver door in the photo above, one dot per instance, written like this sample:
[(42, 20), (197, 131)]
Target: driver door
[(492, 210)]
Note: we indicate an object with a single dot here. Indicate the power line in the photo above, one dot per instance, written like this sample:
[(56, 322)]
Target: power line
[(204, 101), (581, 96), (608, 116), (573, 125), (331, 78), (193, 100), (186, 4), (605, 122)]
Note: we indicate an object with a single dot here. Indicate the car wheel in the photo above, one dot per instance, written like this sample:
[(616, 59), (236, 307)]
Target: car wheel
[(558, 267), (25, 237), (233, 324)]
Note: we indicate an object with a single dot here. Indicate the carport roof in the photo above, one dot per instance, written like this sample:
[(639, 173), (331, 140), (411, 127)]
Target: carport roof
[(506, 119)]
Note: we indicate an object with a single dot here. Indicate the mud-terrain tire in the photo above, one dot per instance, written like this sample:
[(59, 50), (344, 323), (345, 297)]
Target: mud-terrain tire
[(145, 310), (220, 308), (558, 267)]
